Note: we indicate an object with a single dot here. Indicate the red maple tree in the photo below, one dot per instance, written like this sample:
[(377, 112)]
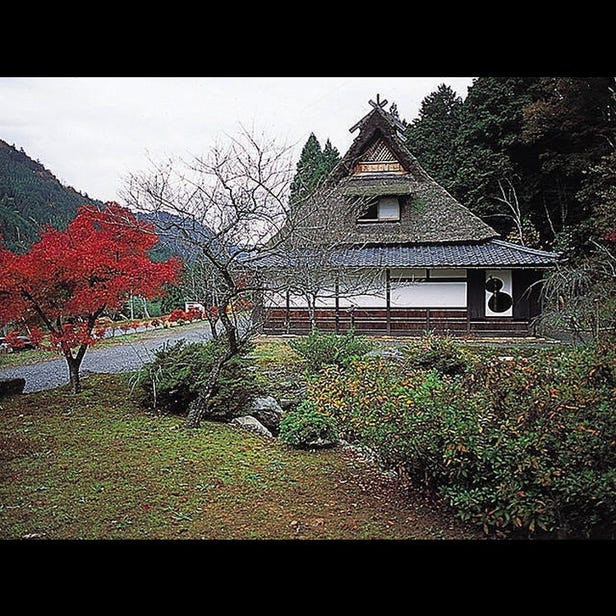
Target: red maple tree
[(70, 278)]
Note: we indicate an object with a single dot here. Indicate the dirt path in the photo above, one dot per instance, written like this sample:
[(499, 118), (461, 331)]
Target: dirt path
[(121, 357)]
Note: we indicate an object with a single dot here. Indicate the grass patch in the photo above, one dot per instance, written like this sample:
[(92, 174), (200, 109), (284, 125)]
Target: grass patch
[(97, 467)]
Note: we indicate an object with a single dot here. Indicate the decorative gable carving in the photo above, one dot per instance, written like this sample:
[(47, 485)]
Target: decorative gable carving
[(378, 158)]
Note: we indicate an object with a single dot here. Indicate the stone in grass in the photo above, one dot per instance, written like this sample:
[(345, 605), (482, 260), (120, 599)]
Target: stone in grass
[(389, 353), (268, 412), (250, 423), (11, 387), (321, 443)]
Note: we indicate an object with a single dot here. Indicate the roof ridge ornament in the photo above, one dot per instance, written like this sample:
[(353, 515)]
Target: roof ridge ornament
[(380, 104)]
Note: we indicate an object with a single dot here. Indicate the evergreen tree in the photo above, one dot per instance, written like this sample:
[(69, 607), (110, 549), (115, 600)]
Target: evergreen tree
[(431, 137), (572, 126), (330, 158), (309, 169), (492, 166)]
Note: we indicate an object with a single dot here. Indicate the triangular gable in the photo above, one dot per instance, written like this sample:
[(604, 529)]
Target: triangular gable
[(378, 158), (378, 134)]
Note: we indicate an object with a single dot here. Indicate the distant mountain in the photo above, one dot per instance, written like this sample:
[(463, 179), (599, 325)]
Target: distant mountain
[(172, 231), (32, 197)]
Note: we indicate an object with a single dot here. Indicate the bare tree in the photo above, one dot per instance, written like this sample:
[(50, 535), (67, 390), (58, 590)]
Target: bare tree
[(310, 262), (581, 299), (509, 197), (229, 210)]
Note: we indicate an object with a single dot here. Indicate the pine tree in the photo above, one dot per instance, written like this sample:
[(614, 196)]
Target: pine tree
[(432, 136), (330, 158), (572, 125), (309, 169), (490, 151)]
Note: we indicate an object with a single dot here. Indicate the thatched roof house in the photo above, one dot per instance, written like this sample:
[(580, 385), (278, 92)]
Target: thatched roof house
[(433, 264)]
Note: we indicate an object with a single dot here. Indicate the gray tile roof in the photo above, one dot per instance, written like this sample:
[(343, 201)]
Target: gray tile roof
[(493, 253)]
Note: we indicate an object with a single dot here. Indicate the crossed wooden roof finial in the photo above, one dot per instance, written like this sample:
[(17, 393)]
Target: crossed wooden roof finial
[(380, 104)]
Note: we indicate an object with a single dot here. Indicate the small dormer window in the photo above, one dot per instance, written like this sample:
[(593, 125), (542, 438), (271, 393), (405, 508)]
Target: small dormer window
[(385, 209), (389, 208)]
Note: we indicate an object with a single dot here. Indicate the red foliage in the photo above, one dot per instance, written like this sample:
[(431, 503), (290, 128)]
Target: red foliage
[(242, 303), (212, 312), (194, 314), (177, 315), (15, 340), (36, 335), (70, 277)]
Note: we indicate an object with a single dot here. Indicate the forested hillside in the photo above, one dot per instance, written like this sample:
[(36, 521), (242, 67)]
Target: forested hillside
[(533, 156), (31, 197)]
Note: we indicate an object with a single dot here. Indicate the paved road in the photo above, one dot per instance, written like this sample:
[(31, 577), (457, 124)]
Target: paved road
[(117, 358)]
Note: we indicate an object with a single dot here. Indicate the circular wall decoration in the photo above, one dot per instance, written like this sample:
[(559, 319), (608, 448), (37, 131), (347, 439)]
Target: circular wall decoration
[(500, 301), (493, 284)]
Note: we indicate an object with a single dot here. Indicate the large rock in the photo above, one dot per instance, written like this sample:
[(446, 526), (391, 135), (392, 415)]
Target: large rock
[(250, 423), (389, 353), (11, 387), (268, 412), (322, 443)]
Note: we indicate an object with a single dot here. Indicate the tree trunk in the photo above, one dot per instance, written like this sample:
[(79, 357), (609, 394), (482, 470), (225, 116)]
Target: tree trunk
[(311, 313), (213, 322), (230, 329), (145, 307), (74, 363), (198, 407), (73, 374)]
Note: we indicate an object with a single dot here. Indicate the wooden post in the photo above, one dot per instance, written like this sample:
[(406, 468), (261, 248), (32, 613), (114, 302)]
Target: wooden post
[(288, 312), (428, 319), (337, 299), (388, 298)]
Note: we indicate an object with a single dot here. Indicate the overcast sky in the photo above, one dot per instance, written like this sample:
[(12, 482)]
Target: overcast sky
[(92, 132)]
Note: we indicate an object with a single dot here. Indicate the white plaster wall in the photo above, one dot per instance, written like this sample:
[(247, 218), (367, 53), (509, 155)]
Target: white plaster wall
[(428, 295), (403, 294), (274, 300), (505, 276), (360, 292)]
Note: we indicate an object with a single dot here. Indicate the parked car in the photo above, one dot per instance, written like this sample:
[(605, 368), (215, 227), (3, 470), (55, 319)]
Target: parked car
[(16, 343)]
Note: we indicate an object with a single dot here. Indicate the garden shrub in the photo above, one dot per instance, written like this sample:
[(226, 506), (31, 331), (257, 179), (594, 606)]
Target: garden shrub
[(521, 446), (319, 349), (173, 379), (306, 425), (439, 352)]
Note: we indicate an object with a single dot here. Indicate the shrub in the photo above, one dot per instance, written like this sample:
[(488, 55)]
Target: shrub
[(319, 350), (179, 371), (441, 353), (518, 447), (178, 316), (306, 426)]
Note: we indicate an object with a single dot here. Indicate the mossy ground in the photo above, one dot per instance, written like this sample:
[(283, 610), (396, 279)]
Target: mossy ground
[(96, 466)]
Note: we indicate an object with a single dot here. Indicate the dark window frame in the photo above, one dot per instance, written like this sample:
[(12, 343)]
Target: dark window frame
[(373, 208)]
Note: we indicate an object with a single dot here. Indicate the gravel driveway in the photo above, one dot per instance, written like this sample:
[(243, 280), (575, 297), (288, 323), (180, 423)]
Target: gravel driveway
[(117, 358)]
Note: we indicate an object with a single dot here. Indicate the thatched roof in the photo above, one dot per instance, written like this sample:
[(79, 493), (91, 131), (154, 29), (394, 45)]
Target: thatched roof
[(428, 213)]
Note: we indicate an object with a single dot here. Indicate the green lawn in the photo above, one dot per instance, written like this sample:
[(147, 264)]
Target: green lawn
[(96, 466)]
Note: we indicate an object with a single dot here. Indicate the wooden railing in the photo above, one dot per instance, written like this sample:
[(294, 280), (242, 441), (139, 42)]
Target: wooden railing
[(395, 321)]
